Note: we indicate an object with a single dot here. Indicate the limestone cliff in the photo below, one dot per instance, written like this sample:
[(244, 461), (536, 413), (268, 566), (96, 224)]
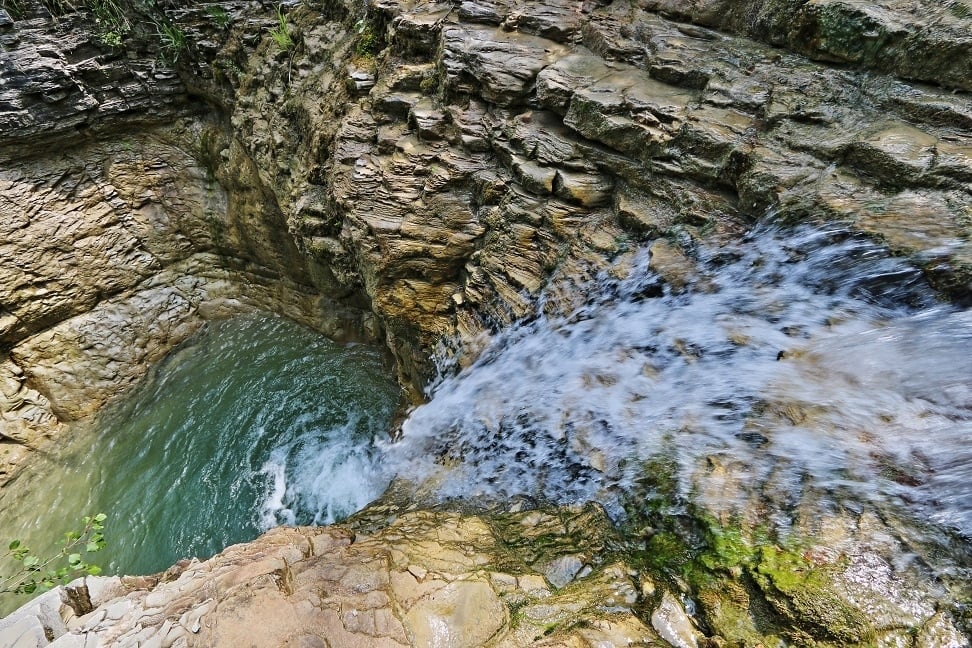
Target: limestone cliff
[(435, 164), (416, 172)]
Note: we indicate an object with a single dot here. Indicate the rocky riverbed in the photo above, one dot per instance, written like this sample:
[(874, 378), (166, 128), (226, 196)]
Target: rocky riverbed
[(419, 174)]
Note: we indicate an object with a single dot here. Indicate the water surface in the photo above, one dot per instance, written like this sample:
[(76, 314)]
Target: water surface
[(256, 422), (800, 361)]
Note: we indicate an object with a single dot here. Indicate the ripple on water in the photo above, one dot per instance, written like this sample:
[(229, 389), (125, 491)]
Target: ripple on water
[(256, 422)]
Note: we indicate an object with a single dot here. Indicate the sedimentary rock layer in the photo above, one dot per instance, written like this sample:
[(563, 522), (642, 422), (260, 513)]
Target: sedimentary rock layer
[(418, 171), (536, 578)]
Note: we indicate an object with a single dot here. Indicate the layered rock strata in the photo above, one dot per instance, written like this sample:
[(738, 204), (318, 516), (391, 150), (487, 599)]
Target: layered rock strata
[(126, 224), (438, 164), (490, 147), (419, 171), (536, 578)]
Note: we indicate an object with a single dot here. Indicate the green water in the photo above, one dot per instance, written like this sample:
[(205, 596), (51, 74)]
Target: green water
[(256, 422)]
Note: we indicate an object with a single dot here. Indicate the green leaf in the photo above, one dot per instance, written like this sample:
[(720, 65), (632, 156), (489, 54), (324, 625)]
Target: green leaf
[(74, 559), (101, 517), (31, 561), (93, 570), (93, 547), (13, 545)]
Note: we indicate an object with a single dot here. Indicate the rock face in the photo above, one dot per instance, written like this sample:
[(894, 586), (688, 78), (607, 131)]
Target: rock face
[(416, 172), (123, 238), (501, 145), (115, 253), (427, 579)]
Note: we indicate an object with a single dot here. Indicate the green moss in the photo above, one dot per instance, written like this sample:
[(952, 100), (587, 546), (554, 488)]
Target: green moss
[(853, 36), (515, 607), (728, 550), (217, 230), (428, 84), (803, 593), (732, 613), (751, 589), (368, 41)]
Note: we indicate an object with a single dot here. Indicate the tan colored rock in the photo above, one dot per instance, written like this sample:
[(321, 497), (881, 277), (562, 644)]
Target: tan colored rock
[(672, 624), (463, 614), (326, 587)]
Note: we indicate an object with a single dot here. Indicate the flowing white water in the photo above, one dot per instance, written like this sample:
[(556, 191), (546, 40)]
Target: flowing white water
[(805, 359), (799, 360)]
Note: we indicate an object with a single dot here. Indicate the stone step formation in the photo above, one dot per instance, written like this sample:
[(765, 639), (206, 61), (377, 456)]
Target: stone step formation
[(409, 172)]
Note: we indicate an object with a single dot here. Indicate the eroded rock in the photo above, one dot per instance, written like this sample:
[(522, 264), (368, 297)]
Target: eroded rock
[(427, 579)]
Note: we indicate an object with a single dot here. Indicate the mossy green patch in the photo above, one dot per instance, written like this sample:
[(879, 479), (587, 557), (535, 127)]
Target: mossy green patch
[(803, 593), (667, 552), (728, 549), (752, 588)]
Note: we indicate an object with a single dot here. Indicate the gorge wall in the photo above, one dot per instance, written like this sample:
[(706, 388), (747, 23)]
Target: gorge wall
[(415, 173), (418, 171)]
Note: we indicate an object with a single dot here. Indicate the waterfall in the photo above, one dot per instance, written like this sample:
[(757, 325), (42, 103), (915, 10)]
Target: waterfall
[(801, 358)]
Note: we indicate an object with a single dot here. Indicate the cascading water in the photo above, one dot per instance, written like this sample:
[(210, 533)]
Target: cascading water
[(806, 359)]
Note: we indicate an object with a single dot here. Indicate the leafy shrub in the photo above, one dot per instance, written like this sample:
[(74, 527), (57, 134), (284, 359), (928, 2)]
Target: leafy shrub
[(32, 573)]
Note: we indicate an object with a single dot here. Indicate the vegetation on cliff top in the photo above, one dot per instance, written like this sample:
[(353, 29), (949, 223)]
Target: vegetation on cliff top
[(29, 573)]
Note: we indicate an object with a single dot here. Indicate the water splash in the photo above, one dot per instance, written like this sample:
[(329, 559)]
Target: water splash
[(806, 358), (255, 423)]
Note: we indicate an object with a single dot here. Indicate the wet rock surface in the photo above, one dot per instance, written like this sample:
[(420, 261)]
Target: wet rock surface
[(449, 579), (441, 163), (508, 145), (115, 253), (421, 171), (426, 579)]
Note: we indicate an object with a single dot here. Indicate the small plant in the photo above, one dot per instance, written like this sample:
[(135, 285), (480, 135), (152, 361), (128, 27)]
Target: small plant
[(32, 573), (281, 33), (110, 38), (173, 42), (17, 9), (229, 69), (368, 42), (58, 8), (428, 84), (220, 16), (112, 23)]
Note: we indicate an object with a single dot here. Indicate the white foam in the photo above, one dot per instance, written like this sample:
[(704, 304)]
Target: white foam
[(871, 398), (273, 511), (326, 475)]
